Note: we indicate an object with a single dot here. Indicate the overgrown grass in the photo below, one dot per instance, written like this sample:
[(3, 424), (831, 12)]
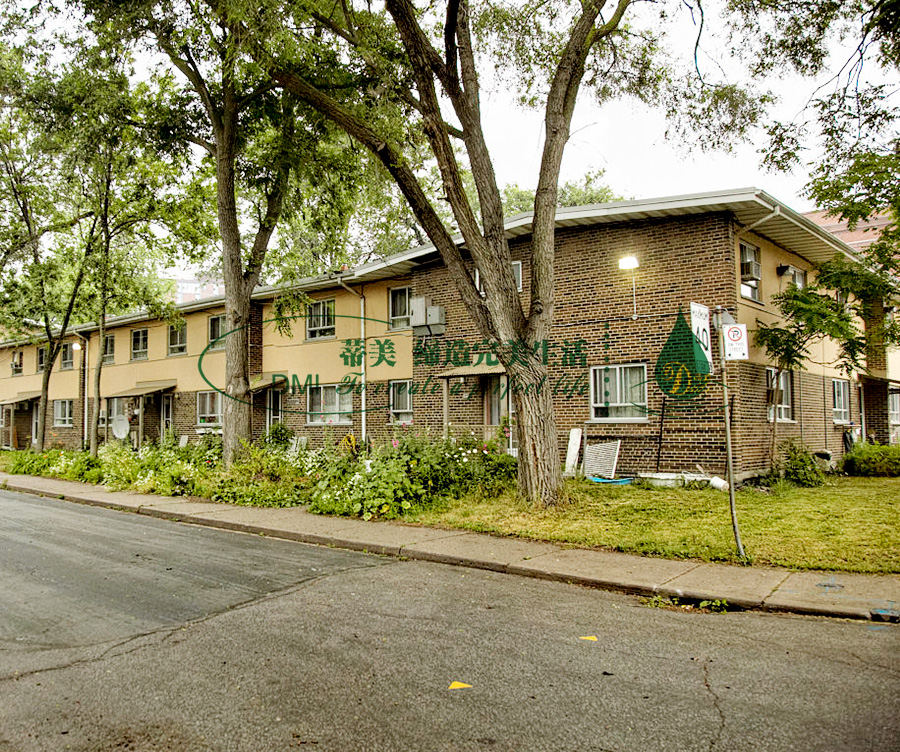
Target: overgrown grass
[(850, 524)]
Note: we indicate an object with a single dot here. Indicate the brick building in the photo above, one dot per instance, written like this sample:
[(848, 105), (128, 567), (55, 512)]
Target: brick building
[(390, 344)]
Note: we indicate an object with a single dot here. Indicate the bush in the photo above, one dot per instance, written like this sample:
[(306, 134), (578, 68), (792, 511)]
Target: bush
[(800, 466), (279, 436), (32, 463), (872, 460)]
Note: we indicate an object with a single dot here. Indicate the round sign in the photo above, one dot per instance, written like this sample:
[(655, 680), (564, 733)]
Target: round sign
[(120, 426), (734, 333)]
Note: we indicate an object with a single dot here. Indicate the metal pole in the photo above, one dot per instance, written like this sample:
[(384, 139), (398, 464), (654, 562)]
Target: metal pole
[(634, 295), (728, 457)]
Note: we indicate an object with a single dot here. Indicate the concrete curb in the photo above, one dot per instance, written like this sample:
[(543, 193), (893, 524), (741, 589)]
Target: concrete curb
[(852, 596)]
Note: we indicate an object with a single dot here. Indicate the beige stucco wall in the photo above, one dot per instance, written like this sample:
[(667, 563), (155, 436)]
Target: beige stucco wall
[(297, 356), (823, 354)]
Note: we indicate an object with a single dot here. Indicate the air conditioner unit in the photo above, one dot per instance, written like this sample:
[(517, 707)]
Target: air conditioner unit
[(435, 322), (418, 308), (750, 270)]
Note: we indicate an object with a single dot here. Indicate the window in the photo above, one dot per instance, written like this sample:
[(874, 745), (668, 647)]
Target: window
[(177, 339), (109, 348), (894, 407), (320, 319), (67, 357), (41, 359), (216, 330), (209, 408), (751, 272), (398, 315), (62, 413), (401, 402), (17, 363), (798, 277), (840, 390), (780, 401), (619, 392), (273, 407), (517, 274), (116, 407), (329, 404), (139, 344)]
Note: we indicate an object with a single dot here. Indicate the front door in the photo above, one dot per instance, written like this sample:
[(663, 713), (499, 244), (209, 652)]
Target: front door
[(166, 421), (35, 415)]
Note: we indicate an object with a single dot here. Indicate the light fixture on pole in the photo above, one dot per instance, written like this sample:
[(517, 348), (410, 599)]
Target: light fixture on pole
[(631, 262)]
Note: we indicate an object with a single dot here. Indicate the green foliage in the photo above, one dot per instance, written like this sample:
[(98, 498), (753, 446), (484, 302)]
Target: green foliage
[(809, 315), (799, 466), (278, 436), (872, 460), (589, 190)]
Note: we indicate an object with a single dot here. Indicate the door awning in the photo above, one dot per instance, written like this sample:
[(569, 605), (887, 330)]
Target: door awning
[(21, 397), (481, 369), (265, 380), (146, 387)]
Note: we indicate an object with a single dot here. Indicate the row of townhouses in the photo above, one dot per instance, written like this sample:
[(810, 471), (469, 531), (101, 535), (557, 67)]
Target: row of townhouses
[(389, 346)]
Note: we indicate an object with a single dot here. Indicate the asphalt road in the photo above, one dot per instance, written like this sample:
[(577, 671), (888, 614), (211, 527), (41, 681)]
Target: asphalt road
[(121, 632)]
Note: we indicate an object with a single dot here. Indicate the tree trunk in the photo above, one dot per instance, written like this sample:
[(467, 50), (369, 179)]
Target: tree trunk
[(45, 390), (539, 476), (236, 410), (94, 426)]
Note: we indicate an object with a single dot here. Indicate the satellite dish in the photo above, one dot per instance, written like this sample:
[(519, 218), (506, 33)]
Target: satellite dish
[(120, 427)]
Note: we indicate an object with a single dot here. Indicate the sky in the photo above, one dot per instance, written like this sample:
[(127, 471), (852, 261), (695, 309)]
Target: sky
[(628, 142)]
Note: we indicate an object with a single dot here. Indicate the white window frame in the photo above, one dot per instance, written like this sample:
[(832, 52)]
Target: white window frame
[(63, 413), (335, 405), (116, 408), (209, 408), (749, 252), (798, 277), (41, 360), (274, 407), (109, 349), (620, 409), (517, 274), (401, 414), (785, 407), (320, 319), (66, 357), (840, 400), (215, 328), (894, 407), (140, 353), (17, 362), (179, 347), (395, 320)]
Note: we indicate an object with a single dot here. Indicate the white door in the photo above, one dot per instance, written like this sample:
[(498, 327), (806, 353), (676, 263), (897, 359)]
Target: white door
[(166, 422)]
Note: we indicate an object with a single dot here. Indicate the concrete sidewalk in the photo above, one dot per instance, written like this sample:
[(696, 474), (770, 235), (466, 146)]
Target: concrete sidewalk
[(855, 596)]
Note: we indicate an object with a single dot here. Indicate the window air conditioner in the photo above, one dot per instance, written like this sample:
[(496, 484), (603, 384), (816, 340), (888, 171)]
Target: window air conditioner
[(750, 270)]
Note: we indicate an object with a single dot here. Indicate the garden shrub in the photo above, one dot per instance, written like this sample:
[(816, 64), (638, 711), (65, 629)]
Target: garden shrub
[(279, 436), (799, 466), (872, 460)]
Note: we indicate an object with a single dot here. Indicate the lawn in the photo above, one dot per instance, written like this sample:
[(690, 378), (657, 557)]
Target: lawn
[(850, 524)]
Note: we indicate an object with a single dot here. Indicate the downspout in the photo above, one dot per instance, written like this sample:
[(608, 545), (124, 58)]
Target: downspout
[(362, 337), (776, 212)]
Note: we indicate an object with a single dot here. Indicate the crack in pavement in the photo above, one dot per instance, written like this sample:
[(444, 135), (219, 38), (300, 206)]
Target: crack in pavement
[(716, 704), (166, 633)]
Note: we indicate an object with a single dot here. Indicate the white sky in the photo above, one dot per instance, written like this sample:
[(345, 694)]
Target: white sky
[(628, 142)]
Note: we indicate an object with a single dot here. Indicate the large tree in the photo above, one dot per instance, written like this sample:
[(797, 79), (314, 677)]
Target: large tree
[(423, 62), (271, 154)]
